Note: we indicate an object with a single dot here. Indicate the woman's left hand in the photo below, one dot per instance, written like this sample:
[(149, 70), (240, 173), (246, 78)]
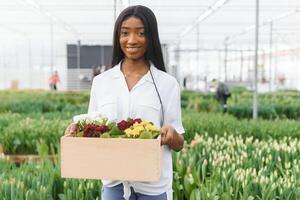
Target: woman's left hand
[(170, 137)]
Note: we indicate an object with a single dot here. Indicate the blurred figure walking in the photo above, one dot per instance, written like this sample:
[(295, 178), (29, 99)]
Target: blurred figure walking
[(96, 71), (222, 95), (54, 80)]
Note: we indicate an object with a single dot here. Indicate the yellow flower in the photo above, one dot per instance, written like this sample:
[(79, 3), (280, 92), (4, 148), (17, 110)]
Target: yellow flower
[(143, 123), (132, 132), (150, 127), (138, 128), (136, 124)]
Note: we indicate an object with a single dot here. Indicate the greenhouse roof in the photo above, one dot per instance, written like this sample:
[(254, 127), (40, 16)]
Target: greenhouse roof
[(92, 21)]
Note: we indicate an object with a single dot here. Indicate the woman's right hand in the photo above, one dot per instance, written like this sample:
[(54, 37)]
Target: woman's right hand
[(71, 129)]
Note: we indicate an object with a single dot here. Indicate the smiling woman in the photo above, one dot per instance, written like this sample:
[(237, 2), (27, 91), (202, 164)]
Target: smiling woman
[(137, 86), (141, 21), (132, 38), (133, 44)]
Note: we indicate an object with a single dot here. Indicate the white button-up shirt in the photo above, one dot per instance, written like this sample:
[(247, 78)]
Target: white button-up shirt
[(110, 96)]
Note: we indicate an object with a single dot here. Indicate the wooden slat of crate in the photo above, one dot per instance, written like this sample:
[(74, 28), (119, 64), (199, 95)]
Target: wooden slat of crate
[(19, 159)]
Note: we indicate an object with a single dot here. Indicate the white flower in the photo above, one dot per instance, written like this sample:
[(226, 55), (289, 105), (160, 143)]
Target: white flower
[(82, 117), (96, 116), (1, 155), (287, 165), (90, 118)]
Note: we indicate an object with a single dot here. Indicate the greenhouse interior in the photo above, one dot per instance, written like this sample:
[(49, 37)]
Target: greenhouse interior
[(217, 117)]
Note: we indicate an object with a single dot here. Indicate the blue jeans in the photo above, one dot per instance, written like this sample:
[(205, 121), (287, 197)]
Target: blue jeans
[(116, 193)]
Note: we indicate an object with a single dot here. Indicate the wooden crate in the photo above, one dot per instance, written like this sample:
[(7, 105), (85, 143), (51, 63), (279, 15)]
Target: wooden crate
[(19, 159), (111, 158)]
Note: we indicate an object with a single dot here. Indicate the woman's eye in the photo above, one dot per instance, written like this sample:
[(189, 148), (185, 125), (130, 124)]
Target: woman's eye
[(124, 33), (141, 33)]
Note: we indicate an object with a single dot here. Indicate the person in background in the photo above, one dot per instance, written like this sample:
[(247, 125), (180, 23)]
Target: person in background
[(54, 80), (96, 71), (222, 95), (184, 82)]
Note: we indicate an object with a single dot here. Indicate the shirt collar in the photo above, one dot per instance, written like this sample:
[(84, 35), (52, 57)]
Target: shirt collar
[(118, 73)]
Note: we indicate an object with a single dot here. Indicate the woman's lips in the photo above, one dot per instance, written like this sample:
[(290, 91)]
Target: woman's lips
[(132, 49)]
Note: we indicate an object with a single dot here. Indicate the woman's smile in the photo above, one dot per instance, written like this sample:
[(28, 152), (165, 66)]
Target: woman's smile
[(133, 49), (133, 41)]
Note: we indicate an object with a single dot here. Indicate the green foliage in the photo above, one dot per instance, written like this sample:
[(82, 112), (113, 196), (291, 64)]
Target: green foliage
[(35, 181), (271, 111), (229, 159), (8, 118), (271, 105), (219, 124), (21, 136), (42, 102), (232, 167)]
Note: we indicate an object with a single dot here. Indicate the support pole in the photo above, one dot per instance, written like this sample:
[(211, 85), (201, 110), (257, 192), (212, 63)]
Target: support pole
[(270, 56), (51, 43), (78, 64), (225, 58), (197, 57), (115, 10), (255, 98)]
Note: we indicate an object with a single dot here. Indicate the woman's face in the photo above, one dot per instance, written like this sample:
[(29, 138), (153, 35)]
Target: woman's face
[(132, 39)]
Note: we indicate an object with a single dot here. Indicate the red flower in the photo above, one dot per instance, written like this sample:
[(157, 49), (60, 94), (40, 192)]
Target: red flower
[(132, 121), (122, 125), (138, 120), (92, 130), (88, 130)]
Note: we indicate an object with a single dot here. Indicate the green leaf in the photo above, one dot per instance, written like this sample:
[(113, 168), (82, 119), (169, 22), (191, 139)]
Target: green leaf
[(115, 131), (145, 135), (196, 194)]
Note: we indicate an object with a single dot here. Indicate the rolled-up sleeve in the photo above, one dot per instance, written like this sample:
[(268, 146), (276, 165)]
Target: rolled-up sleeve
[(172, 112), (93, 103)]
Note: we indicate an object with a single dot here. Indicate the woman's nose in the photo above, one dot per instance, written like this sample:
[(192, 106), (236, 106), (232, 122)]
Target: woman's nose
[(132, 39)]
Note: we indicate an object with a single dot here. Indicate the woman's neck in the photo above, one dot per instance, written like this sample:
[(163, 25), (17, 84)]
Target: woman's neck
[(135, 67)]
